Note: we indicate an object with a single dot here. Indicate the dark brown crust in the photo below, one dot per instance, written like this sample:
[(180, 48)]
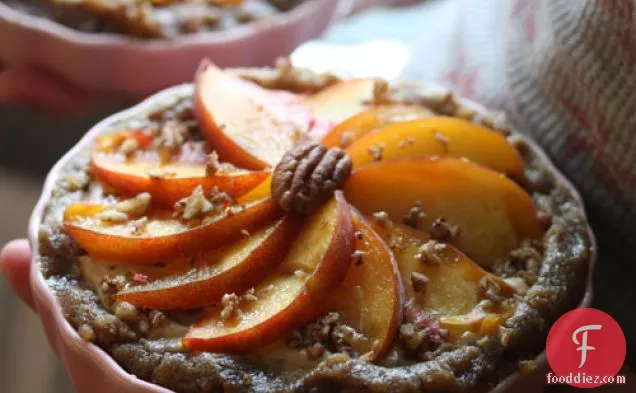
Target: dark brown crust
[(567, 252)]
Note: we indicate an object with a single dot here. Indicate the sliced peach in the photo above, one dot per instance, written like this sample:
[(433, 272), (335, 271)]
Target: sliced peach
[(476, 321), (341, 100), (108, 143), (164, 238), (205, 280), (440, 136), (360, 124), (493, 213), (248, 126), (453, 291), (78, 211), (291, 296), (263, 190), (370, 298), (178, 181), (453, 286)]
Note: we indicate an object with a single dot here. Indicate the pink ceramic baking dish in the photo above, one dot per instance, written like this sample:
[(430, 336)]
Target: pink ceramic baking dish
[(87, 363), (118, 64)]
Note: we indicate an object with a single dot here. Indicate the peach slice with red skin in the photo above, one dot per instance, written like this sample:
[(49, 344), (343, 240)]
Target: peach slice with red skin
[(440, 136), (370, 298), (493, 213), (164, 238), (350, 130), (292, 295), (167, 175), (248, 126), (110, 142), (132, 178), (206, 279)]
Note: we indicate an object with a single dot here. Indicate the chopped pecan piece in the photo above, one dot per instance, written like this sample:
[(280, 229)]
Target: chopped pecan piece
[(442, 231), (375, 152), (230, 303), (382, 219), (357, 257), (414, 215), (308, 175), (194, 205), (419, 281), (136, 206)]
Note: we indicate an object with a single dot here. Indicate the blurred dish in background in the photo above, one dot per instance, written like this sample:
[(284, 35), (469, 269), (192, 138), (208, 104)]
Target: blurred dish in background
[(116, 65), (153, 18)]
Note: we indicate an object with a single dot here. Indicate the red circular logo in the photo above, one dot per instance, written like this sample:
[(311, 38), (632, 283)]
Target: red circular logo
[(585, 348)]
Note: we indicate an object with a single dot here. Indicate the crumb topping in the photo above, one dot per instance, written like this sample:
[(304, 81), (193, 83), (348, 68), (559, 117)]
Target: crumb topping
[(490, 289), (375, 152), (172, 135), (136, 206), (357, 257), (231, 303), (419, 281), (346, 139), (128, 146), (197, 205), (429, 252), (415, 214), (443, 232), (382, 219), (213, 166), (326, 336), (443, 140)]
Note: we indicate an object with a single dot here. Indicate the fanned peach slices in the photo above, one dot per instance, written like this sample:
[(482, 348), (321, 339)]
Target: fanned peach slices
[(203, 218)]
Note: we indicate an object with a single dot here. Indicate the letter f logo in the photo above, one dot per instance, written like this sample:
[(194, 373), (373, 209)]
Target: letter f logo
[(584, 347)]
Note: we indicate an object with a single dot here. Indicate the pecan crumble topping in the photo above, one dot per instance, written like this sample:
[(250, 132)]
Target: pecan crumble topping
[(376, 152), (357, 257), (231, 304), (490, 289), (326, 336), (429, 252), (443, 140), (194, 205), (136, 206), (128, 146), (443, 232), (346, 139), (382, 219), (419, 281), (215, 167), (414, 215)]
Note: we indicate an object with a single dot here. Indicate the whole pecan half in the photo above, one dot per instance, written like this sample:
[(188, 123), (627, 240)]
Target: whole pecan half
[(308, 175)]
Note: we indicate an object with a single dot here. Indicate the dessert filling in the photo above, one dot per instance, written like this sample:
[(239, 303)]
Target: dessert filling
[(304, 231)]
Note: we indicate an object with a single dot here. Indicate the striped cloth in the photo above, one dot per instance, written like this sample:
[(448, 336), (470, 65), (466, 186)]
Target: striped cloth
[(564, 72), (559, 69)]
